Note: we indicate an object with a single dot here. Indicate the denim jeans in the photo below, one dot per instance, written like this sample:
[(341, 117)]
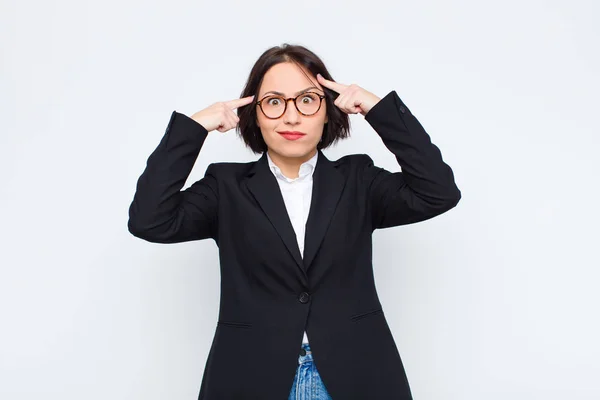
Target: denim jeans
[(307, 383)]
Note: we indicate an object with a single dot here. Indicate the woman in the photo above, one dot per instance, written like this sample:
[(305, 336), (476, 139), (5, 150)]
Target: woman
[(294, 230)]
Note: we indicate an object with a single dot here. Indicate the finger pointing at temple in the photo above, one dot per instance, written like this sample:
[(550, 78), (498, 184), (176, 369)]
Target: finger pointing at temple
[(337, 87)]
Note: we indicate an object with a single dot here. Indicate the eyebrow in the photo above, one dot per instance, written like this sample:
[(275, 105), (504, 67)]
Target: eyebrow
[(297, 93)]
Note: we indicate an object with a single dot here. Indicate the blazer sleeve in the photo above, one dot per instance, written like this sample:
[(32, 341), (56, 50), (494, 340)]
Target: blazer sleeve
[(160, 211), (425, 188)]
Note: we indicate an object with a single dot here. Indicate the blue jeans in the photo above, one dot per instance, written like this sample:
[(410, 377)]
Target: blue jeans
[(307, 383)]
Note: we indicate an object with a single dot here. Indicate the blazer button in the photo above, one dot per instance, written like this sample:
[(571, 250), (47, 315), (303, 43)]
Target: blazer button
[(303, 297), (402, 109)]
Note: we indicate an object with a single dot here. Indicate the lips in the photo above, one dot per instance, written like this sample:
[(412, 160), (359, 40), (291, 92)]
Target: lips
[(291, 135)]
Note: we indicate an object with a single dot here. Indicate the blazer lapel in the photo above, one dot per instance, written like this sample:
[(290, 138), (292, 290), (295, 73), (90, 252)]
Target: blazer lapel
[(328, 184), (265, 189)]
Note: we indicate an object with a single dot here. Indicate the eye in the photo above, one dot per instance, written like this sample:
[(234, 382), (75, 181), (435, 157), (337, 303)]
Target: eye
[(309, 98), (270, 101)]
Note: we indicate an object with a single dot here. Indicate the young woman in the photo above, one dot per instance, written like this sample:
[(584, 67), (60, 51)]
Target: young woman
[(294, 230)]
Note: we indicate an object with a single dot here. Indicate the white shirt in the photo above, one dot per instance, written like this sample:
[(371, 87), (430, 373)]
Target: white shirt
[(297, 194)]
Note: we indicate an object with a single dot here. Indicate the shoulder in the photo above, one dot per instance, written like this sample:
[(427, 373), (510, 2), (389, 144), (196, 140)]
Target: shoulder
[(226, 170), (359, 168), (230, 166), (353, 161), (353, 166)]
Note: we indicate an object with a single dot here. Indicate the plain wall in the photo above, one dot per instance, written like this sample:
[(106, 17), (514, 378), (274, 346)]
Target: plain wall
[(496, 299)]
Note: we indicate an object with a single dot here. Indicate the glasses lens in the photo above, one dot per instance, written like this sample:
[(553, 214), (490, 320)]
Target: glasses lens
[(273, 106), (307, 103)]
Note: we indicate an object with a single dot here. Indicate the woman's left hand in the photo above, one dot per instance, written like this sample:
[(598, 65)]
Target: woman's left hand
[(352, 99)]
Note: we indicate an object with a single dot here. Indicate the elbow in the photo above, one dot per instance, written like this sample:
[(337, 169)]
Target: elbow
[(140, 226), (141, 231), (452, 199), (136, 229), (457, 196), (155, 232), (444, 203)]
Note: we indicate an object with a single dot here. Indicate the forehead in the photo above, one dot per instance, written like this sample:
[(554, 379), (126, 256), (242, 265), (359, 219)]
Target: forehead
[(287, 78)]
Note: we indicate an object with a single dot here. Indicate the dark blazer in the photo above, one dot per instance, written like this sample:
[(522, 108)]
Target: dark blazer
[(269, 293)]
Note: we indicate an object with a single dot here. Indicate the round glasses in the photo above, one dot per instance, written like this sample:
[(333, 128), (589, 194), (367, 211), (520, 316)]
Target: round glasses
[(274, 106)]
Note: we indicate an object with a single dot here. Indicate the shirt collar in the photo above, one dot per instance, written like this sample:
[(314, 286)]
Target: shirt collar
[(307, 168)]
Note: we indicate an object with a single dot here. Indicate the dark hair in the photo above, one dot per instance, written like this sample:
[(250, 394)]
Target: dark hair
[(338, 124)]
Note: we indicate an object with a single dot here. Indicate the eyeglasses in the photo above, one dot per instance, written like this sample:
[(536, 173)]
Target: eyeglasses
[(274, 106)]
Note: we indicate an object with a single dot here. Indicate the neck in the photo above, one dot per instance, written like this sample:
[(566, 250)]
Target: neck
[(290, 166)]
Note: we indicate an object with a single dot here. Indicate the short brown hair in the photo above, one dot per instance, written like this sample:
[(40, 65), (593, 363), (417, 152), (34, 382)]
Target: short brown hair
[(338, 125)]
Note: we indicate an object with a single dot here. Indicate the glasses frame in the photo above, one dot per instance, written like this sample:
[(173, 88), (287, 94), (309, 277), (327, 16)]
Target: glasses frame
[(285, 102)]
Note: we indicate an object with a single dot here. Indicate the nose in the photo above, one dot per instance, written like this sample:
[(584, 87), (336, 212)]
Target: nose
[(291, 115)]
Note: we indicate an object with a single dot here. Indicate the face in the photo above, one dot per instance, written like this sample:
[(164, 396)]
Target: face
[(287, 78)]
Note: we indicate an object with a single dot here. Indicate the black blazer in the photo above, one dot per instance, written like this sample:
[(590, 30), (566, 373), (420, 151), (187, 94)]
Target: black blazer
[(269, 293)]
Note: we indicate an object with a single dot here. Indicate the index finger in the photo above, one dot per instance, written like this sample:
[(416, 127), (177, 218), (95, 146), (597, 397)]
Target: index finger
[(338, 87), (233, 104)]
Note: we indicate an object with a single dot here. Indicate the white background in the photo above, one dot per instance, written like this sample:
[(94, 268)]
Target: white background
[(496, 299)]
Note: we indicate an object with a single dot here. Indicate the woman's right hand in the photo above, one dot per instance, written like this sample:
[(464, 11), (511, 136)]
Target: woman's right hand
[(220, 116)]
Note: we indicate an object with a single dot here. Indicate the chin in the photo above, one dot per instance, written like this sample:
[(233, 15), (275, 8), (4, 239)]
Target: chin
[(291, 152)]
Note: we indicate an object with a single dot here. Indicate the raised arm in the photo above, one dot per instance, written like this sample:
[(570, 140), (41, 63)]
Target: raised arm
[(425, 188), (160, 212)]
